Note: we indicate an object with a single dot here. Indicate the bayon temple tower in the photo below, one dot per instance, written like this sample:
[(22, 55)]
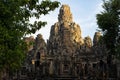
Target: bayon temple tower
[(66, 55)]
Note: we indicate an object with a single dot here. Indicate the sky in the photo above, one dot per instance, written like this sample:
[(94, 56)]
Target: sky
[(84, 13)]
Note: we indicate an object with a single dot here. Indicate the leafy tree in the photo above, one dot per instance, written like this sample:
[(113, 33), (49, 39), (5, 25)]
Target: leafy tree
[(109, 22), (15, 24)]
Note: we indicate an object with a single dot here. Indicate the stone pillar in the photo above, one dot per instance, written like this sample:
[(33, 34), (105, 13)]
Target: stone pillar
[(33, 65), (51, 69)]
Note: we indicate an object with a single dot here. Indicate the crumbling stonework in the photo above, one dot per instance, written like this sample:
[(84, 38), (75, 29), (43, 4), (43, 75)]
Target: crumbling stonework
[(29, 41), (39, 47), (96, 38), (88, 41), (65, 35), (67, 55), (66, 47), (37, 52), (65, 15)]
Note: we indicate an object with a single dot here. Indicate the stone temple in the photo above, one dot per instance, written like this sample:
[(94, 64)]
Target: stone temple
[(66, 55)]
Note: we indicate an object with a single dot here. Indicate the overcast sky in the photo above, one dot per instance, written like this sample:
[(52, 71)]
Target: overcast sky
[(84, 13)]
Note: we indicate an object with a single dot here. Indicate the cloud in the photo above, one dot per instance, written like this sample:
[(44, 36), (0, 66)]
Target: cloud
[(89, 26)]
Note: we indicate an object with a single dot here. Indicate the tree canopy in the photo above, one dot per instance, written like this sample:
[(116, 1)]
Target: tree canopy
[(109, 23), (15, 24)]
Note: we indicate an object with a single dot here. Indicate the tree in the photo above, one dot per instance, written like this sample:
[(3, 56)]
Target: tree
[(14, 25), (109, 22)]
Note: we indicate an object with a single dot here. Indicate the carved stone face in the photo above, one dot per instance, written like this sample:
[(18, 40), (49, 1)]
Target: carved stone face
[(66, 33), (88, 41), (96, 37), (65, 14)]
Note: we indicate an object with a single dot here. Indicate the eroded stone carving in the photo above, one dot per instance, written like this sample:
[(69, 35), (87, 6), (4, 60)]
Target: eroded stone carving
[(65, 35), (66, 53)]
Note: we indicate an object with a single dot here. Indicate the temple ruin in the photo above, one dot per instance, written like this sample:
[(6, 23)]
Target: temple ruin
[(66, 55)]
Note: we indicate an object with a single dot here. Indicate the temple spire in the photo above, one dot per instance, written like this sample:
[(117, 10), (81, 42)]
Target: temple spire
[(65, 14)]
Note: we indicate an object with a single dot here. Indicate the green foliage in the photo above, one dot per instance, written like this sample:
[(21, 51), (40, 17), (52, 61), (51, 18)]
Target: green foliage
[(15, 24), (109, 22)]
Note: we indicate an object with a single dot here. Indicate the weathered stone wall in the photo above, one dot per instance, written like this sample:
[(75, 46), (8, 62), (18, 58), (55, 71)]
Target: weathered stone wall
[(30, 42), (66, 53), (96, 38), (65, 36)]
